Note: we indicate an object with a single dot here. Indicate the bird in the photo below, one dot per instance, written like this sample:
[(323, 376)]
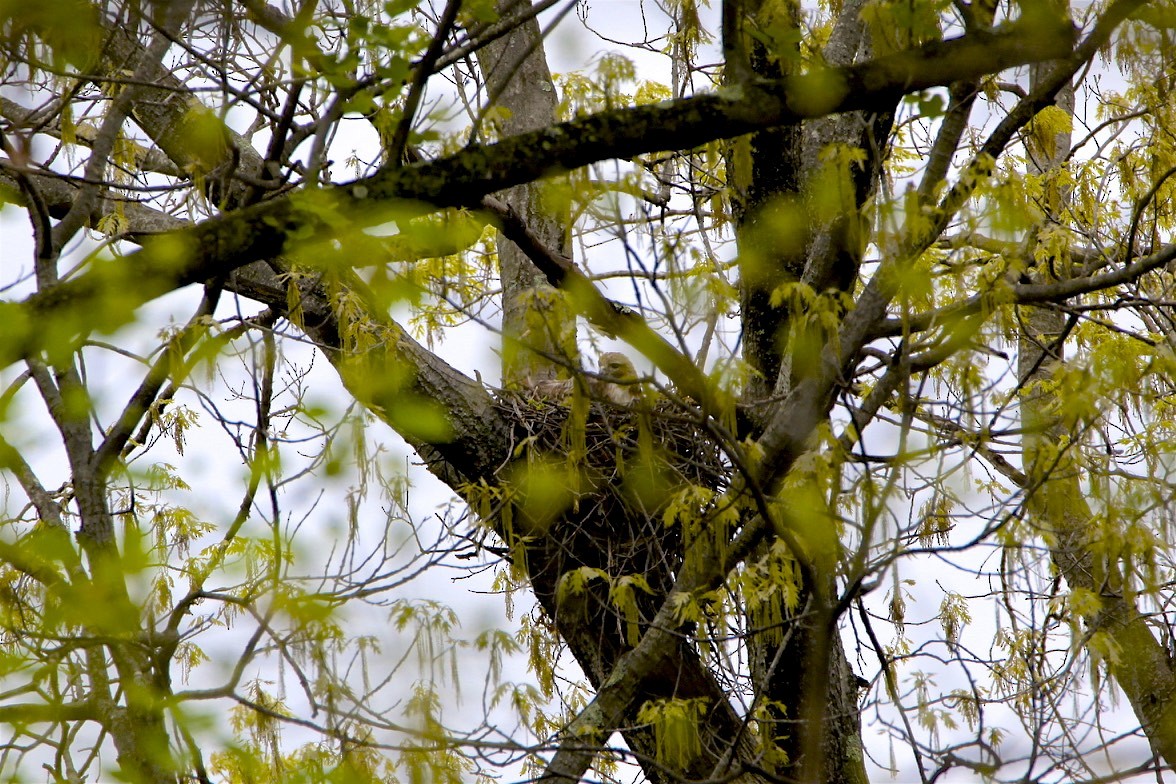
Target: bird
[(555, 389), (618, 380)]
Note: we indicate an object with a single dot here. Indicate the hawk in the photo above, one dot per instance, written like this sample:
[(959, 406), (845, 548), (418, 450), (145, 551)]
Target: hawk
[(557, 389), (616, 383)]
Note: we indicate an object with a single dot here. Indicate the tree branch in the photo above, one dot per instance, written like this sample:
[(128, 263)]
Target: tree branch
[(222, 244)]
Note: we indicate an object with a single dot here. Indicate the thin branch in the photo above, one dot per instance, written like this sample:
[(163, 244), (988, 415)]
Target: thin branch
[(396, 146), (221, 244)]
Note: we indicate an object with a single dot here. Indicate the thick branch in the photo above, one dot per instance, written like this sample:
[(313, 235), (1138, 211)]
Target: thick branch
[(265, 230), (35, 713), (136, 220), (793, 420)]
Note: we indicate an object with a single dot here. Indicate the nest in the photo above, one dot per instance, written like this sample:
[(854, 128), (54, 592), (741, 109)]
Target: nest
[(614, 437), (621, 467)]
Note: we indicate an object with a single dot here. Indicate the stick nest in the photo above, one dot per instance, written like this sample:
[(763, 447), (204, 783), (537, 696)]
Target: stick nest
[(622, 471), (614, 441)]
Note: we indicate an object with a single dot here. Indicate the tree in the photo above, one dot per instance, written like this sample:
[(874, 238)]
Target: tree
[(947, 396)]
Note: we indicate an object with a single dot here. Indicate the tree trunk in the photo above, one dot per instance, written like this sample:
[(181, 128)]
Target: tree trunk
[(808, 689), (538, 327), (540, 343), (1142, 667)]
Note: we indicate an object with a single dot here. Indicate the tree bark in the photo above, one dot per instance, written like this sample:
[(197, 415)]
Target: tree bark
[(1142, 667), (538, 327), (806, 685)]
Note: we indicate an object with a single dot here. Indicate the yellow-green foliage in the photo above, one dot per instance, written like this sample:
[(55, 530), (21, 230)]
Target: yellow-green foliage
[(574, 583), (52, 35), (899, 24), (953, 616), (675, 725), (623, 595), (602, 89), (541, 648), (541, 490), (935, 521), (690, 32), (770, 588), (767, 715), (1045, 128), (1071, 464), (433, 757)]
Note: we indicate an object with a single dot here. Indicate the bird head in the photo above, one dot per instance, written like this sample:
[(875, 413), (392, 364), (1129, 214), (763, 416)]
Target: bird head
[(617, 366)]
